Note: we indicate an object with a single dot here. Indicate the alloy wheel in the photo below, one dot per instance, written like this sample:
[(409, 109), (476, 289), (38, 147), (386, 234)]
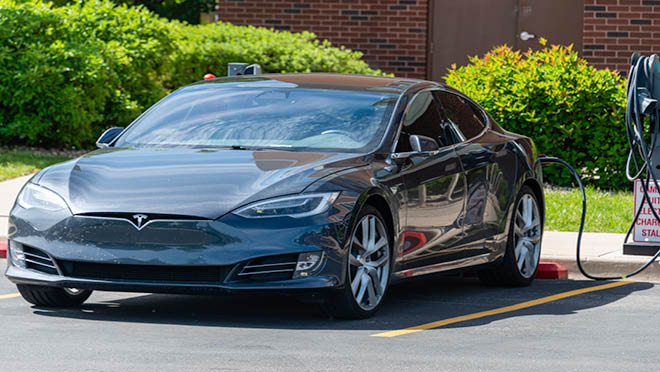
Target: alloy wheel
[(527, 235), (369, 262)]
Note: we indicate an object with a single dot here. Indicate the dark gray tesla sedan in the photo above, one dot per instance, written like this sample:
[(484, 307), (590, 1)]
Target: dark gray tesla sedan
[(325, 186)]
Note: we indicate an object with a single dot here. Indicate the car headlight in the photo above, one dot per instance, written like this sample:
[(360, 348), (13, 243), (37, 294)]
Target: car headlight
[(293, 206), (34, 196)]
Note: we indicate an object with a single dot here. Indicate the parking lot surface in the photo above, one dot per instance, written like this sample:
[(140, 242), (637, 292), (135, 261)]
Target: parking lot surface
[(592, 327)]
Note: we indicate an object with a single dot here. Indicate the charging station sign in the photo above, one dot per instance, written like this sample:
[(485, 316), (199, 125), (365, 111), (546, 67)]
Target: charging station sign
[(647, 228)]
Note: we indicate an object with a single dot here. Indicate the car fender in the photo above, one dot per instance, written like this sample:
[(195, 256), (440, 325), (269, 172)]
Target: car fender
[(358, 186)]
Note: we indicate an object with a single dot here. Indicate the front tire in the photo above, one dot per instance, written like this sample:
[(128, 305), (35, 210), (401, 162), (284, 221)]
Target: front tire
[(523, 249), (368, 266), (53, 296)]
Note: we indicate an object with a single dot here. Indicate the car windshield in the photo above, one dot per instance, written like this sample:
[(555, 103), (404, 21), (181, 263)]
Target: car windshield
[(264, 117)]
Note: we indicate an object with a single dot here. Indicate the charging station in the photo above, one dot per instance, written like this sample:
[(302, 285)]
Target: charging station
[(642, 122)]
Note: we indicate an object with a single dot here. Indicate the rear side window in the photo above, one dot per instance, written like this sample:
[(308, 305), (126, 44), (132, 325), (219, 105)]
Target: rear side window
[(464, 115)]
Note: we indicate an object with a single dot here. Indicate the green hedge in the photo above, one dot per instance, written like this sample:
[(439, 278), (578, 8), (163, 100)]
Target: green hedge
[(208, 48), (68, 72), (183, 10), (570, 109)]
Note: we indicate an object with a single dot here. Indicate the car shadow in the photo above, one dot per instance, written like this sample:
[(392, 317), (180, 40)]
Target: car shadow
[(408, 304)]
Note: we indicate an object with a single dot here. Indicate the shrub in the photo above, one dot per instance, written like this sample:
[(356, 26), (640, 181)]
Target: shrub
[(183, 10), (570, 109), (208, 48), (66, 72), (136, 47)]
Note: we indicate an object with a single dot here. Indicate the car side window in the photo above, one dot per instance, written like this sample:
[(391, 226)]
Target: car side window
[(422, 118), (463, 115)]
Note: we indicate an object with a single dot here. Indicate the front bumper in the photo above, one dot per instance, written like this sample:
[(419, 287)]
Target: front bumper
[(183, 255), (293, 286)]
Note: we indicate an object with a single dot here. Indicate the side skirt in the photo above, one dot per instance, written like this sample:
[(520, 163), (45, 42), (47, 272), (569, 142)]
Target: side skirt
[(451, 265)]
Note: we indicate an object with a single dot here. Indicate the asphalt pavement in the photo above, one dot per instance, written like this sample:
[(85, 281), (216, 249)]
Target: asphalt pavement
[(590, 329)]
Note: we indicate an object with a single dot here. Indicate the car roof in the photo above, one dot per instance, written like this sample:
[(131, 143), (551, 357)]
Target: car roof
[(332, 81)]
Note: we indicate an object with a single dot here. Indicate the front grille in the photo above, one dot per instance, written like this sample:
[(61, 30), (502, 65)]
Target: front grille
[(156, 273), (269, 268), (38, 260), (150, 216)]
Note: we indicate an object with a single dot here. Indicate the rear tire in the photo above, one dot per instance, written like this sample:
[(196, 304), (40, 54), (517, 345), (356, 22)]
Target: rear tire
[(367, 275), (523, 250), (52, 296)]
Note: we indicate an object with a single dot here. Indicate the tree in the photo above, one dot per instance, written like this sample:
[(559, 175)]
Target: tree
[(182, 10)]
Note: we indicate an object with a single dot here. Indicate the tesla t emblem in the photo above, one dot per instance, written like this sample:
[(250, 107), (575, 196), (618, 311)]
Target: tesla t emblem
[(139, 218)]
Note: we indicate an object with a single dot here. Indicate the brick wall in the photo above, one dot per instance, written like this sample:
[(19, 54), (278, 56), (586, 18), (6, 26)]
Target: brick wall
[(390, 33), (614, 29)]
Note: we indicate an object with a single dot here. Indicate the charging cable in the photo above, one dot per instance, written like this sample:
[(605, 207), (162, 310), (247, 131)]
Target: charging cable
[(552, 160)]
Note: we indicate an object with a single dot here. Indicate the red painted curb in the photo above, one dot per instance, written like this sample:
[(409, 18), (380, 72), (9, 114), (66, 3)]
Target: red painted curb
[(3, 249), (551, 270)]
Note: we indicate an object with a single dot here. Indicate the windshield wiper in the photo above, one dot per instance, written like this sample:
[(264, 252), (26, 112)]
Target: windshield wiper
[(257, 148)]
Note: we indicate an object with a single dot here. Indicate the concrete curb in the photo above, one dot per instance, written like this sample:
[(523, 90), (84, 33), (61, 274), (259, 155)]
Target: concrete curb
[(604, 266)]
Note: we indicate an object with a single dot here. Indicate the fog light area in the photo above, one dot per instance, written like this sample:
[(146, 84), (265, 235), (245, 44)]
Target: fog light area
[(16, 254), (308, 264)]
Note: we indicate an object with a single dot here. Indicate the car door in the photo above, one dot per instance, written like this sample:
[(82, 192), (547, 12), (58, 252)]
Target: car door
[(476, 159), (435, 188)]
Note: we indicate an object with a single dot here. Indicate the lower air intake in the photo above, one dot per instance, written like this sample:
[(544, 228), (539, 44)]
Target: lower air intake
[(38, 260), (156, 273), (269, 268)]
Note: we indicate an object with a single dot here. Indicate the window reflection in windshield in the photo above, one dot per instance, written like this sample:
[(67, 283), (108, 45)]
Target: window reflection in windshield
[(265, 117)]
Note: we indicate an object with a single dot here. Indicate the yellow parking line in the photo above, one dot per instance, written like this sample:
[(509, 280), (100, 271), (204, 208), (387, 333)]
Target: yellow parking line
[(500, 310), (11, 295)]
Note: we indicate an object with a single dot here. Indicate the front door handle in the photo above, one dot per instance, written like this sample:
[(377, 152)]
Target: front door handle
[(524, 36)]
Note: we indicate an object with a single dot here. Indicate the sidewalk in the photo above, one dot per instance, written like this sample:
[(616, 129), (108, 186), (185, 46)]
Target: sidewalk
[(8, 192), (601, 253)]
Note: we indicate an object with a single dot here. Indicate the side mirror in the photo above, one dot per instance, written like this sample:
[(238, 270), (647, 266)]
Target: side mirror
[(108, 136), (423, 144)]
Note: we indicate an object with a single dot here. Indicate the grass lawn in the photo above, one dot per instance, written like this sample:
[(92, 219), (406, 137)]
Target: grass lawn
[(19, 163), (606, 211)]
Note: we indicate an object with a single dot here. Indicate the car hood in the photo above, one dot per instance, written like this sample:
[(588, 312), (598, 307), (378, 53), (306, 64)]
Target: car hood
[(186, 182)]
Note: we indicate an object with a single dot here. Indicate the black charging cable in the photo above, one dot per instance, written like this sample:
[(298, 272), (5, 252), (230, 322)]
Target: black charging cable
[(552, 160)]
